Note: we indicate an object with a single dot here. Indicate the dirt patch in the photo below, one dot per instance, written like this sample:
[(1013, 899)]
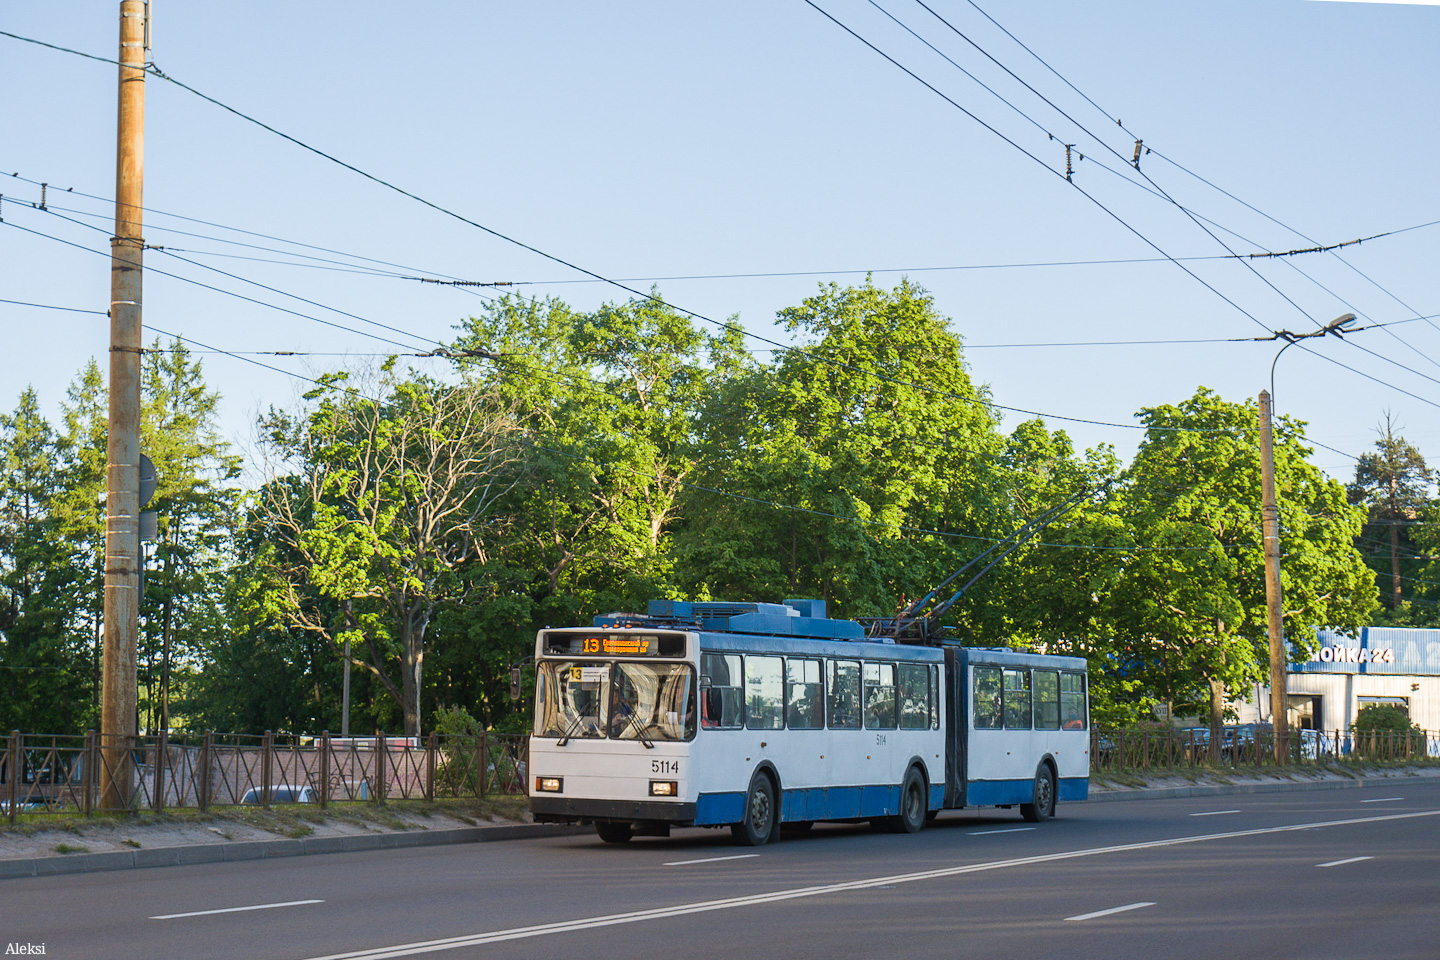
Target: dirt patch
[(42, 835)]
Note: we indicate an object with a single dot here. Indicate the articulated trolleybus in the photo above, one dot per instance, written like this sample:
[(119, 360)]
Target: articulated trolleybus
[(766, 717)]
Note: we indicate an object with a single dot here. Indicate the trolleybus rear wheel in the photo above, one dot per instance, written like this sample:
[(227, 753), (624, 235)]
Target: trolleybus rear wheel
[(911, 817)]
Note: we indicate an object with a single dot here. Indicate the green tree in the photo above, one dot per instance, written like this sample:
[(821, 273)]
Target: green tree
[(1190, 604), (195, 502), (607, 401), (376, 502), (1054, 594), (77, 508), (1393, 483), (867, 433), (41, 678)]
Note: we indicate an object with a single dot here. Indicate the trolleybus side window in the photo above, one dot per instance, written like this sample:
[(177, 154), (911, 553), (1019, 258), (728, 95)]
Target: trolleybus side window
[(724, 705), (764, 693), (1072, 701), (934, 696), (1017, 699), (915, 698), (845, 694), (804, 694), (880, 696), (1047, 700), (988, 713)]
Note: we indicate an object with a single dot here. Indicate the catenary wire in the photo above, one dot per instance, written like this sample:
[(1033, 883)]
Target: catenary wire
[(151, 68), (788, 349), (1105, 144), (207, 286), (1108, 115)]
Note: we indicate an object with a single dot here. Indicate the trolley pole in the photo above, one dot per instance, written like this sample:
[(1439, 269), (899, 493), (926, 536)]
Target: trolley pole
[(118, 690), (1270, 532)]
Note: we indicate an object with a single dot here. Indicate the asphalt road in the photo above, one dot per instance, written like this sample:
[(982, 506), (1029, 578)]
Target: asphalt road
[(1321, 874)]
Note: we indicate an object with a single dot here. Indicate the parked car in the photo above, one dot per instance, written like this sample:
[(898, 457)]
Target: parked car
[(21, 806), (282, 793)]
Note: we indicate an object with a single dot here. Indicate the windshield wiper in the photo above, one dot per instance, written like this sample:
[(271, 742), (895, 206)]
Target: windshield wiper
[(634, 721), (571, 730)]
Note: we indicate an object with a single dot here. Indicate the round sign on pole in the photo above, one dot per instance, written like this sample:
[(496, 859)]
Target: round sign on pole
[(148, 480)]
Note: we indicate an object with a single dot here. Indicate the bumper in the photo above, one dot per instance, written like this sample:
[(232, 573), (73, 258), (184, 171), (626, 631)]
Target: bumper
[(567, 810)]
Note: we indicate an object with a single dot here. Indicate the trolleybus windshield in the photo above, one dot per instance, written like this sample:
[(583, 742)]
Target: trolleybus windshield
[(624, 700)]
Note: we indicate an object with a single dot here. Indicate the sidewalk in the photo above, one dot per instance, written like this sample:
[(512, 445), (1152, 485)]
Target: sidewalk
[(1171, 787), (219, 852)]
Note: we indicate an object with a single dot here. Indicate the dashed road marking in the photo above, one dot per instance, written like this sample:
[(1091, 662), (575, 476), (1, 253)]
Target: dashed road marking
[(1106, 913), (738, 856), (258, 906)]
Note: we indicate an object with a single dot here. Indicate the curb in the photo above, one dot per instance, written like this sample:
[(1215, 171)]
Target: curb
[(265, 849), (1233, 789)]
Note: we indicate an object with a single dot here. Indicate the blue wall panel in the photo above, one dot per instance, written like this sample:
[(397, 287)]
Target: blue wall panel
[(719, 808), (989, 793), (842, 803), (1073, 788)]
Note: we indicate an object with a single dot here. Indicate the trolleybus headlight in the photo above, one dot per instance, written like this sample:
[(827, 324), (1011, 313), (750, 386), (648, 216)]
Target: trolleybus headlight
[(664, 788), (549, 784)]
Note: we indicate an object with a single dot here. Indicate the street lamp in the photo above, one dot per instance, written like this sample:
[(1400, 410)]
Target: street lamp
[(1270, 535), (1336, 326)]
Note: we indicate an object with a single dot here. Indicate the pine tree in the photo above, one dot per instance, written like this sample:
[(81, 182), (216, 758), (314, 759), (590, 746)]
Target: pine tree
[(1393, 483), (42, 678)]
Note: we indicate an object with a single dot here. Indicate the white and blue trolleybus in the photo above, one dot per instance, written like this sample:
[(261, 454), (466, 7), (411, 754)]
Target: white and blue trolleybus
[(765, 717)]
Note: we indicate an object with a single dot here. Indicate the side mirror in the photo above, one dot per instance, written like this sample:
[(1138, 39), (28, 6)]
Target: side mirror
[(516, 678)]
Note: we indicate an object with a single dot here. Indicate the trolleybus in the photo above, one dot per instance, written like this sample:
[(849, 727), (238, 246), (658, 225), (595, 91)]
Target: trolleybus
[(767, 717)]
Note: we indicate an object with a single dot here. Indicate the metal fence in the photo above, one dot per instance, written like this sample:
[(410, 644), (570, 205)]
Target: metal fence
[(90, 773), (1251, 745)]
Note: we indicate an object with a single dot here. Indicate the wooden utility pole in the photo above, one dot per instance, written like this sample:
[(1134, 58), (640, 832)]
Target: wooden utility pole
[(119, 694), (1270, 532)]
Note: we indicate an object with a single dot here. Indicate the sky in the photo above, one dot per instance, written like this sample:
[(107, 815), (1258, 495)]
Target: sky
[(648, 140)]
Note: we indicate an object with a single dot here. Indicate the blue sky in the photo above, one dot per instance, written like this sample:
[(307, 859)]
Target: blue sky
[(661, 139)]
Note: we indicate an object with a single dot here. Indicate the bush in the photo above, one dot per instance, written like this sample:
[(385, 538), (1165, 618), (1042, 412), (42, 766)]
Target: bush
[(456, 771), (457, 722), (1383, 727)]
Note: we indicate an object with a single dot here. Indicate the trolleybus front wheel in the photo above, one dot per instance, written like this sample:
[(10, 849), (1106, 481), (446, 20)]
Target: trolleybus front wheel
[(1044, 806), (612, 831), (759, 820)]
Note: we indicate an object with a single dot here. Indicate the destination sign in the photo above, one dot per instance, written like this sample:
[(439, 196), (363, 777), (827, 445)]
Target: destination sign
[(614, 644)]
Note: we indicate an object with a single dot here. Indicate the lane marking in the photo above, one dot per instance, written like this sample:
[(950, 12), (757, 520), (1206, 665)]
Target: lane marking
[(258, 906), (1213, 813), (1106, 913), (1341, 863), (682, 863), (986, 833), (779, 896), (1382, 800)]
